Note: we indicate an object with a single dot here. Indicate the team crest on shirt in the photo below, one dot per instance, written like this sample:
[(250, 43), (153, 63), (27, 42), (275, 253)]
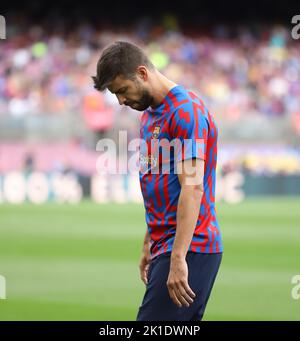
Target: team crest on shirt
[(156, 132)]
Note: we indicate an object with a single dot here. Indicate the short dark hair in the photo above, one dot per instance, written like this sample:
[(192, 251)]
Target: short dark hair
[(119, 59)]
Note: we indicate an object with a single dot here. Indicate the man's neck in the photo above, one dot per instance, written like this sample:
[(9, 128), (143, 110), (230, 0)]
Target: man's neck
[(161, 88)]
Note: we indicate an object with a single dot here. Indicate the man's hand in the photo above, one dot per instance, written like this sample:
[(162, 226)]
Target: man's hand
[(144, 264), (179, 289)]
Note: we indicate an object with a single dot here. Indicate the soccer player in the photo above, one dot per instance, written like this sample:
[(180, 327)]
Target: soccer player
[(182, 248)]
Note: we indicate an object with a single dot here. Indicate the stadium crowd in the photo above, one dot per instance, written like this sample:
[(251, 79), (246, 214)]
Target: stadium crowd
[(241, 73), (237, 73)]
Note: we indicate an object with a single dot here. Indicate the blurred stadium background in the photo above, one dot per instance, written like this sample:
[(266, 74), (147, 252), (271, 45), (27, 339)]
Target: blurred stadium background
[(70, 238)]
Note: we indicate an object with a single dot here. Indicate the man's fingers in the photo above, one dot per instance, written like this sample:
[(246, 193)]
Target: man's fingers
[(144, 273), (183, 297), (144, 277), (188, 290), (181, 294), (174, 298)]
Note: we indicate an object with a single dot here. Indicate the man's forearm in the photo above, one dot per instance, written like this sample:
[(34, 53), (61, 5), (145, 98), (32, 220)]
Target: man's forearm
[(147, 237), (146, 242), (187, 215)]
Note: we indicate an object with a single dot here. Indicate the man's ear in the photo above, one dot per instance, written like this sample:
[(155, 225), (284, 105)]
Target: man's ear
[(142, 72)]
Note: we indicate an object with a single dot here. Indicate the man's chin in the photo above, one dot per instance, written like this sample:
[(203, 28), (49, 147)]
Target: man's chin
[(139, 107)]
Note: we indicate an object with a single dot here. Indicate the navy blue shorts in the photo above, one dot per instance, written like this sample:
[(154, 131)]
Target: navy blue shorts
[(157, 304)]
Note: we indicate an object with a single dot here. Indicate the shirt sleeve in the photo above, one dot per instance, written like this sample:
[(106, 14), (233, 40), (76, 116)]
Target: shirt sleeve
[(189, 127)]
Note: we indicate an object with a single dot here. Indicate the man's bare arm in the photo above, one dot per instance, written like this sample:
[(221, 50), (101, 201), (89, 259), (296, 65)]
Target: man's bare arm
[(191, 180)]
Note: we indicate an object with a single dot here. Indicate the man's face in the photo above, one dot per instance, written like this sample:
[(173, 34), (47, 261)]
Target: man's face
[(131, 92)]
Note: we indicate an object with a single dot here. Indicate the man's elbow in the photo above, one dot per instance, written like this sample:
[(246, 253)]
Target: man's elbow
[(195, 190), (198, 191)]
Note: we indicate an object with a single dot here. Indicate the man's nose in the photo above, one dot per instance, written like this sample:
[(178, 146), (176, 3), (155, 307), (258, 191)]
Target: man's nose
[(121, 99)]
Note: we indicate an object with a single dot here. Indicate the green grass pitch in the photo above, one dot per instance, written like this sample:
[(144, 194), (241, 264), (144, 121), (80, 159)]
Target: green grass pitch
[(64, 262)]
